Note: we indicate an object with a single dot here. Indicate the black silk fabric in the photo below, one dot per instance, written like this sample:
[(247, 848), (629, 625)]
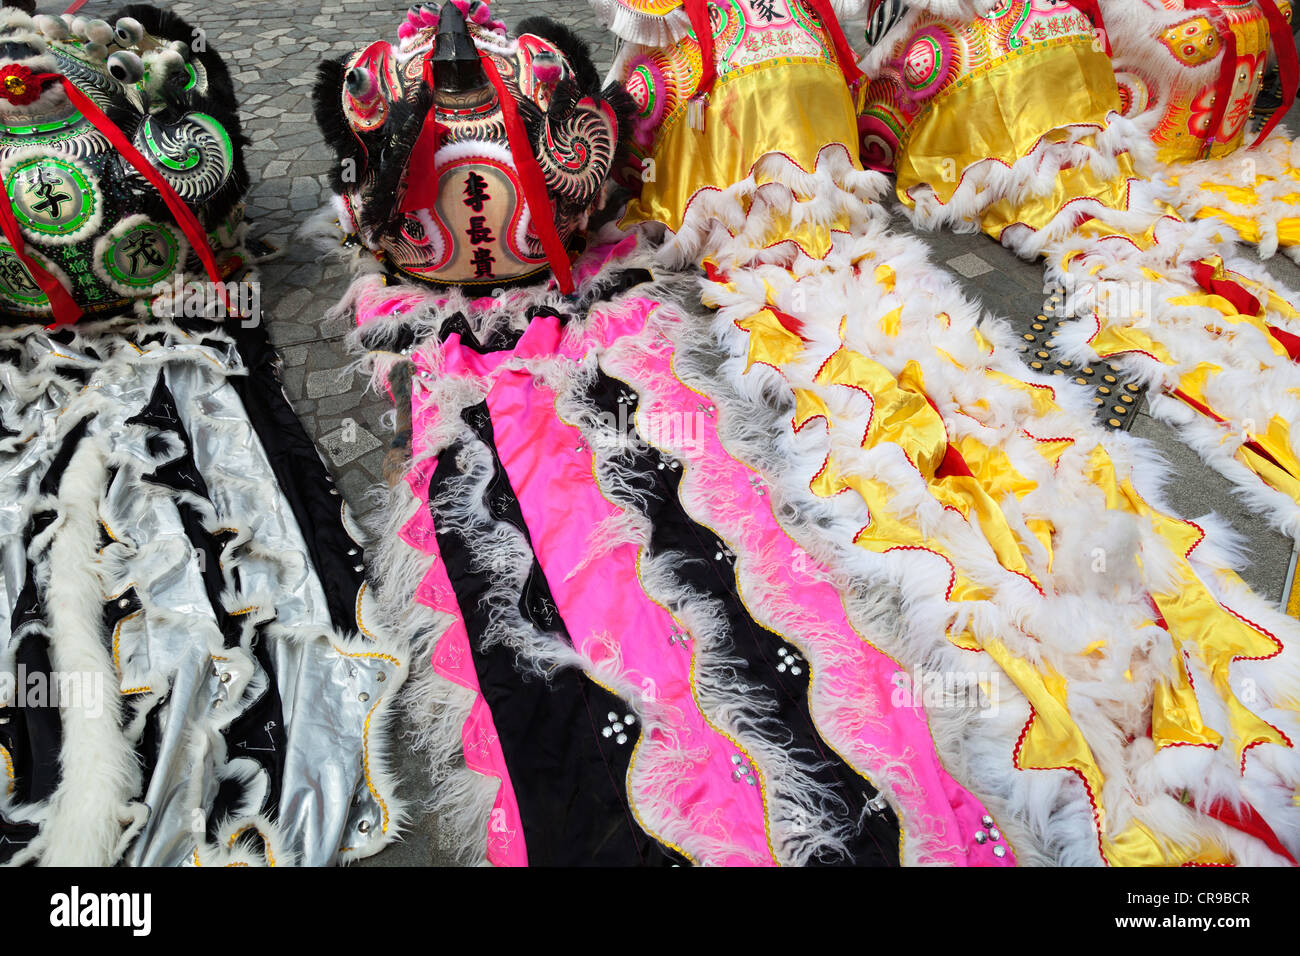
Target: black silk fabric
[(569, 780)]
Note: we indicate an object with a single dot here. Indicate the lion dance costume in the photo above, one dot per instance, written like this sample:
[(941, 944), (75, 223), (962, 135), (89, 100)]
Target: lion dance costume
[(189, 672), (793, 563)]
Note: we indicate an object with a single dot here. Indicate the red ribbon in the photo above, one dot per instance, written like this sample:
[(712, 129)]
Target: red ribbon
[(1093, 11), (1287, 340), (1248, 821), (1253, 445), (65, 308), (532, 180), (843, 52), (1242, 301), (422, 189), (697, 11), (1227, 68), (1288, 65)]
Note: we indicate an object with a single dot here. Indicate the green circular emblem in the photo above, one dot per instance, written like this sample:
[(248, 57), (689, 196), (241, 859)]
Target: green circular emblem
[(16, 283), (51, 197), (142, 255)]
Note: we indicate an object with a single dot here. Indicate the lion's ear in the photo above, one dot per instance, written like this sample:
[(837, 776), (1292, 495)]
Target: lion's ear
[(577, 141)]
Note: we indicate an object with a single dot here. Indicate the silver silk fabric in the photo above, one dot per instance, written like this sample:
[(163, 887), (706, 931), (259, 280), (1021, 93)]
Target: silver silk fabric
[(335, 798)]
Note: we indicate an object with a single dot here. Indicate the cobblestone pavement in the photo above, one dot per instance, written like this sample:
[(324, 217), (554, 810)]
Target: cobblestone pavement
[(273, 49)]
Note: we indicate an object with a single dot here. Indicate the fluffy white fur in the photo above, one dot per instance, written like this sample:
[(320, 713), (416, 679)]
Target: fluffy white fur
[(1046, 812)]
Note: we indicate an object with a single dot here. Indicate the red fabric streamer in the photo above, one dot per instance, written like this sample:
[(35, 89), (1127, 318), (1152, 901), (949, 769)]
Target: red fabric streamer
[(422, 188), (1092, 9), (1254, 446), (65, 308), (532, 180), (843, 52), (1288, 65), (1242, 301), (1287, 340), (698, 13), (62, 304), (1248, 821), (953, 464), (1227, 68)]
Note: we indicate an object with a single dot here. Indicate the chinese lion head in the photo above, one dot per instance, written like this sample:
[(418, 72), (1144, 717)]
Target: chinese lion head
[(468, 156), (108, 125), (1197, 68)]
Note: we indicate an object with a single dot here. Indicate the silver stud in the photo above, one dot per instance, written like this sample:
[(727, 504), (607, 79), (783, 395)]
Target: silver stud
[(995, 834), (364, 826), (999, 851), (611, 716), (358, 568), (796, 671), (621, 738), (629, 720), (735, 758), (225, 678), (334, 491), (618, 726), (124, 603), (981, 837), (381, 677), (987, 820), (352, 552), (607, 732), (363, 697)]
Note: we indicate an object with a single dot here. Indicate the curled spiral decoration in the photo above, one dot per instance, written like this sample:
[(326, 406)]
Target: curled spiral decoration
[(193, 154), (576, 148)]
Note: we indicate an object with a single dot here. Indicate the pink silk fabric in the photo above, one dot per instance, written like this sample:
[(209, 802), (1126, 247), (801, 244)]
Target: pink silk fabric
[(684, 767)]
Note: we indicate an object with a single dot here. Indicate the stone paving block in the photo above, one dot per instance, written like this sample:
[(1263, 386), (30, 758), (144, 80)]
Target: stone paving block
[(347, 443), (328, 382), (969, 265)]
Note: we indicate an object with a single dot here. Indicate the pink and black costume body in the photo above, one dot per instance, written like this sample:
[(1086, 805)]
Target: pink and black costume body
[(628, 661)]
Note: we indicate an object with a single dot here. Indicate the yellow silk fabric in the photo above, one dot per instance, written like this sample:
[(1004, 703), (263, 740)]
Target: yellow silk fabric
[(1073, 183), (901, 415), (788, 105), (1275, 438), (1196, 621), (1246, 197), (770, 342), (999, 112)]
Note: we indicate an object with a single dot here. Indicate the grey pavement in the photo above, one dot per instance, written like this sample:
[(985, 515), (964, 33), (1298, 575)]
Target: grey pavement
[(273, 50)]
